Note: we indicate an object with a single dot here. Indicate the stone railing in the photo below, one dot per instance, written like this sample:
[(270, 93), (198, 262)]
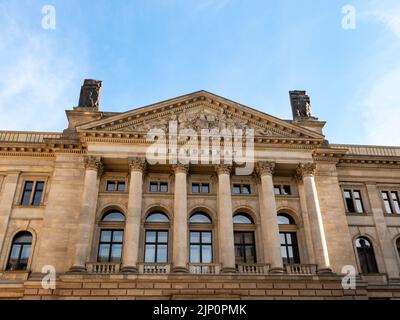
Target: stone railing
[(30, 137), (360, 150), (103, 267), (252, 268), (154, 268), (204, 268), (301, 269)]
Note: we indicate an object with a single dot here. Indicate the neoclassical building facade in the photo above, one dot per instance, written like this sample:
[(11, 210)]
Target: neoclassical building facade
[(89, 204)]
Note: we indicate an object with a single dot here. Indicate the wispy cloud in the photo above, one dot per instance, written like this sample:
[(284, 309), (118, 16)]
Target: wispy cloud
[(378, 95), (211, 5), (38, 74)]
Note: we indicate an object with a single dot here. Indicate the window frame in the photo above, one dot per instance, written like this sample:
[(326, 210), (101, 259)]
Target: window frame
[(156, 245), (241, 188), (116, 183), (391, 202), (243, 245), (11, 247), (362, 199), (159, 184), (281, 187), (201, 244), (360, 262), (200, 186), (32, 196), (111, 243)]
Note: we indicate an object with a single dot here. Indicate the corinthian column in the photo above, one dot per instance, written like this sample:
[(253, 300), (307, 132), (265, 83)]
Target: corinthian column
[(269, 220), (307, 172), (87, 215), (137, 167), (180, 241), (225, 220)]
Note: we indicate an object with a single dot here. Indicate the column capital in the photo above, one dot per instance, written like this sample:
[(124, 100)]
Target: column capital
[(93, 163), (223, 169), (137, 164), (180, 168), (306, 169), (265, 167)]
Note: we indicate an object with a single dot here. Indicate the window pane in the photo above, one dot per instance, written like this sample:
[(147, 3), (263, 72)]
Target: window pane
[(200, 218), (388, 207), (162, 253), (206, 237), (162, 237), (150, 236), (116, 252), (249, 238), (37, 197), (242, 219), (396, 202), (238, 237), (118, 236), (195, 253), (286, 190), (153, 187), (194, 237), (157, 217), (113, 217), (163, 187), (239, 254), (246, 189), (23, 237), (283, 252), (105, 236), (110, 186), (277, 190), (206, 254), (205, 188), (121, 186), (150, 253), (250, 254), (27, 193), (104, 252), (25, 252), (15, 251), (195, 188), (282, 238), (349, 201), (284, 219), (360, 208), (236, 189)]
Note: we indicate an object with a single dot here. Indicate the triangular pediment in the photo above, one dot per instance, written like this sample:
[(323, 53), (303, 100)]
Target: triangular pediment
[(200, 110)]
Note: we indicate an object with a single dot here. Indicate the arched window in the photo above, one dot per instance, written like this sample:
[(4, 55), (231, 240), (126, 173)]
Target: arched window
[(366, 255), (157, 217), (398, 246), (245, 244), (111, 237), (20, 251), (200, 225), (242, 218), (288, 239), (156, 238)]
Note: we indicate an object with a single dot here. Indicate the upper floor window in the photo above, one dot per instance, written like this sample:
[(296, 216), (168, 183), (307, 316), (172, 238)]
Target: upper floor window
[(354, 203), (241, 189), (200, 188), (200, 218), (156, 238), (118, 186), (242, 218), (111, 237), (158, 186), (288, 239), (391, 202), (20, 251), (244, 239), (282, 190), (33, 193)]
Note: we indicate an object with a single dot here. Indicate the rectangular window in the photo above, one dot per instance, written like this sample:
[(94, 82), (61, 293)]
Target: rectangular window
[(283, 190), (200, 188), (156, 247), (110, 246), (33, 193), (353, 200), (116, 186), (395, 198), (245, 248), (241, 189), (289, 248), (158, 186), (200, 247)]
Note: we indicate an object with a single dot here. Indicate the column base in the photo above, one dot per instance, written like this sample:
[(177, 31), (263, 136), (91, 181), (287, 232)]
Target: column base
[(228, 270), (324, 271), (180, 270), (277, 270), (129, 269), (79, 269)]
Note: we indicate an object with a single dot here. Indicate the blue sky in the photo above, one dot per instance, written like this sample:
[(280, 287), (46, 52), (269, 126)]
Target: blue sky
[(249, 51)]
